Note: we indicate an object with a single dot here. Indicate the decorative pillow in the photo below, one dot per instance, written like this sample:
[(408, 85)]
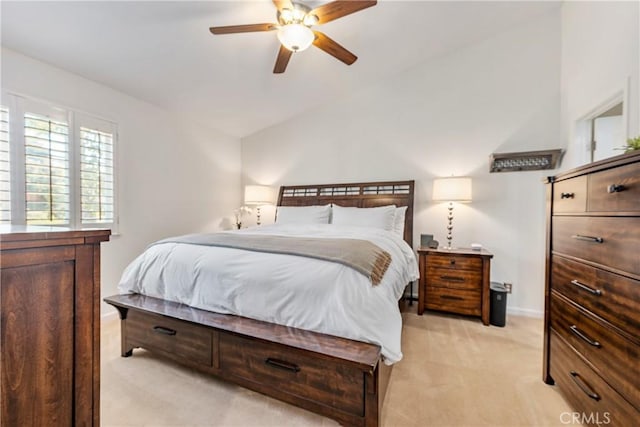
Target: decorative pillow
[(303, 214), (398, 221), (380, 217)]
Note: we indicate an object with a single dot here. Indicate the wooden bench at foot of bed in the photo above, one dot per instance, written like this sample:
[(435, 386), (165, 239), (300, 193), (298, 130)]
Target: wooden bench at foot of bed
[(336, 377)]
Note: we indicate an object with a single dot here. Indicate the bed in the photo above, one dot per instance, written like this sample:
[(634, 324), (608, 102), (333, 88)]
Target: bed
[(341, 378)]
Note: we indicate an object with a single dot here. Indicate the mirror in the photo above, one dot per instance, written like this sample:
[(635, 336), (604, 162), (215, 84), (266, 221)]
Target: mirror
[(607, 133)]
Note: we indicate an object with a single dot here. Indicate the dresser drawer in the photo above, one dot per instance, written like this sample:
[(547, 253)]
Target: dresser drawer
[(297, 373), (614, 298), (454, 262), (589, 394), (454, 278), (570, 195), (609, 353), (608, 241), (175, 339), (454, 300), (615, 190)]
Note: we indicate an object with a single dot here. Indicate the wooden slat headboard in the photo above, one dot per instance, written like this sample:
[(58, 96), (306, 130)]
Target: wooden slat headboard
[(362, 195)]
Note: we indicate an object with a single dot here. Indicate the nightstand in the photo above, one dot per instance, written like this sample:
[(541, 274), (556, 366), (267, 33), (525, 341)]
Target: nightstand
[(455, 280)]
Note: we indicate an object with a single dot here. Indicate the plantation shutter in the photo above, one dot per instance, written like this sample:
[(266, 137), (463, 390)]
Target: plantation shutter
[(96, 176), (5, 170), (47, 183)]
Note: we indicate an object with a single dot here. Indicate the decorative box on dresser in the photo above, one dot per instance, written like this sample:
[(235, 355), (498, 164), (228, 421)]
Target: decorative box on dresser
[(455, 280), (50, 326), (592, 292)]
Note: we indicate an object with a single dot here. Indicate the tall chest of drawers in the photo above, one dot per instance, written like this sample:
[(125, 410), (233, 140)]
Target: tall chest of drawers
[(50, 326), (592, 292)]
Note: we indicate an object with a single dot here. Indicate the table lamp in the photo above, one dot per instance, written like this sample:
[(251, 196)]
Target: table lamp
[(452, 189), (258, 195)]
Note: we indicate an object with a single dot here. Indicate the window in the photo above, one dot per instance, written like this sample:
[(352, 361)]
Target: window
[(56, 166), (5, 168), (46, 165), (96, 176)]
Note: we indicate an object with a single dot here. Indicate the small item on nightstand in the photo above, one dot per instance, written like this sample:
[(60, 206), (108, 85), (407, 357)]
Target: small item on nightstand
[(434, 244), (425, 239), (476, 246)]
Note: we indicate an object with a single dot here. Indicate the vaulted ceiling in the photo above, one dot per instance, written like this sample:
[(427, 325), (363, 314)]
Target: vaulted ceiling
[(162, 52)]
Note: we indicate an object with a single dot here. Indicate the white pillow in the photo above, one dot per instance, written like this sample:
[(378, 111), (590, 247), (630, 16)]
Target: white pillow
[(398, 221), (380, 217), (303, 214)]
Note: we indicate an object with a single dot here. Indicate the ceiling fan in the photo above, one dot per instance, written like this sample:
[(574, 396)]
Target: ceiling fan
[(294, 28)]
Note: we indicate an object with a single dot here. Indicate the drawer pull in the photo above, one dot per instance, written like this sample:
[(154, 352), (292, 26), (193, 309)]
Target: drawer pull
[(615, 188), (586, 389), (582, 336), (596, 292), (452, 262), (567, 195), (588, 238), (453, 297), (452, 278), (164, 331), (281, 364)]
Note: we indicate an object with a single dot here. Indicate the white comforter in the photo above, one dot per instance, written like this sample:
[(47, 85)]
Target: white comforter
[(301, 292)]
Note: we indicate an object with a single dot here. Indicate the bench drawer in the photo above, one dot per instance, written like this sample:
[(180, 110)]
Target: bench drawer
[(175, 339), (297, 373)]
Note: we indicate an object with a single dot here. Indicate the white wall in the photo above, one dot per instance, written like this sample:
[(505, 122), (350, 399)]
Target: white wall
[(600, 58), (443, 117), (174, 177)]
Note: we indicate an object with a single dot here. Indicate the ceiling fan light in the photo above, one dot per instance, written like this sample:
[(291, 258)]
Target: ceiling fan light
[(296, 37), (310, 20), (298, 14), (286, 15)]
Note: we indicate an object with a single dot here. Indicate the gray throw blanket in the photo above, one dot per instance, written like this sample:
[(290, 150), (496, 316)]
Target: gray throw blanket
[(361, 255)]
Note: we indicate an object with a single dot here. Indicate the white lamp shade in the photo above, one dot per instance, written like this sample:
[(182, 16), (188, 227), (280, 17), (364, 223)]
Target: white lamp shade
[(453, 189), (296, 37), (258, 195)]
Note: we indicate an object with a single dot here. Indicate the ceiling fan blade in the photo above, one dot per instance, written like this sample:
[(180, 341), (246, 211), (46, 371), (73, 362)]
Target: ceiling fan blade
[(283, 59), (283, 4), (243, 28), (337, 9), (333, 48)]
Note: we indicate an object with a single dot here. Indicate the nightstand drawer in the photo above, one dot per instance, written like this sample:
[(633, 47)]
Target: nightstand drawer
[(456, 279), (454, 300), (457, 262)]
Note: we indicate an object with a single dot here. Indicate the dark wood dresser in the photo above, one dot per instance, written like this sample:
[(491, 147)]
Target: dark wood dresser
[(50, 326), (592, 292), (455, 280)]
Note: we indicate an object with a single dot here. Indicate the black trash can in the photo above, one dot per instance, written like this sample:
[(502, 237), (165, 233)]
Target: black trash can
[(498, 304)]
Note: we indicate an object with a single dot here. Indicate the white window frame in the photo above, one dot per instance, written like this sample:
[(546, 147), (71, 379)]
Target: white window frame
[(18, 105)]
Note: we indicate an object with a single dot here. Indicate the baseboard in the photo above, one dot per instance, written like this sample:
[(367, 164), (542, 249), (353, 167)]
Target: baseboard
[(515, 311), (527, 312), (109, 316)]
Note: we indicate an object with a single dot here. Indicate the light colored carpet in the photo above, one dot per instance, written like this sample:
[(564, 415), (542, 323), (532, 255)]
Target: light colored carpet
[(455, 372)]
